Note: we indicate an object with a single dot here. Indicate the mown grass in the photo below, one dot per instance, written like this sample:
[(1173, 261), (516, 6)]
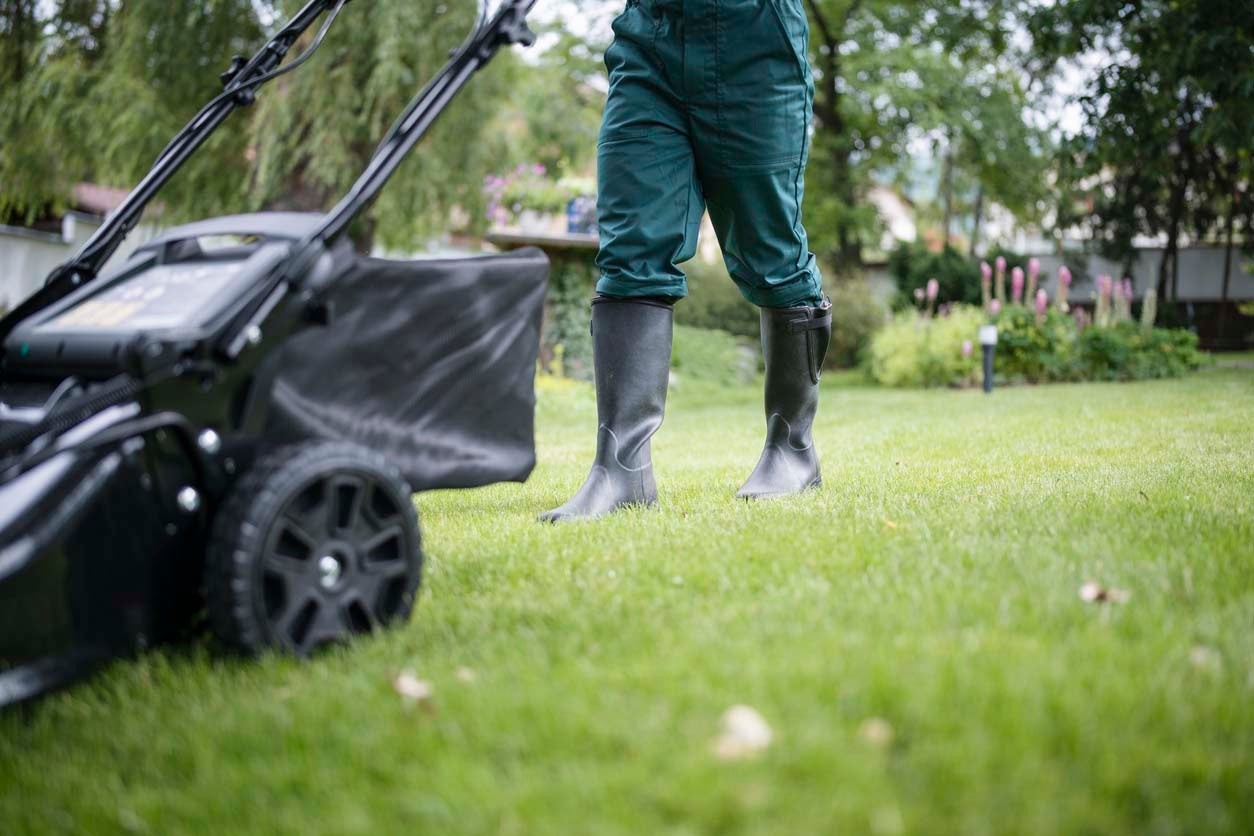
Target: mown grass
[(931, 584)]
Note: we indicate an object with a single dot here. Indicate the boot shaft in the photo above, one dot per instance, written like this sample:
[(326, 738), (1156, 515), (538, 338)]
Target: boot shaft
[(632, 360), (794, 345)]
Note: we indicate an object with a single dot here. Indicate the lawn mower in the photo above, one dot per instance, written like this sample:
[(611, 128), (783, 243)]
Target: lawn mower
[(233, 419)]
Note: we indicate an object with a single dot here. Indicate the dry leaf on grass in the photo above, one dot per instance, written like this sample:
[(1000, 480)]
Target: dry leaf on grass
[(414, 691), (744, 734), (1205, 658), (1094, 593), (877, 731)]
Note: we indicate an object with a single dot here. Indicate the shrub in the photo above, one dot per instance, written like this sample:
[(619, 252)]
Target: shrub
[(856, 316), (921, 351), (1028, 352), (913, 264), (1126, 351), (913, 350), (714, 301), (713, 356)]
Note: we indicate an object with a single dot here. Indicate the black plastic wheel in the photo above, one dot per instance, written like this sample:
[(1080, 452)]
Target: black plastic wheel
[(316, 543)]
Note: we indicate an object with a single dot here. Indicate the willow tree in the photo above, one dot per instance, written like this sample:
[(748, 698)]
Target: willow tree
[(105, 84), (93, 89), (314, 133)]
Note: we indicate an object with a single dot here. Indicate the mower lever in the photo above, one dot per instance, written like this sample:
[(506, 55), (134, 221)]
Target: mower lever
[(238, 62)]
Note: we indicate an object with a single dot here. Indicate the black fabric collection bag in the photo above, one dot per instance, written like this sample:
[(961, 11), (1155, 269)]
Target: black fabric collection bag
[(431, 363)]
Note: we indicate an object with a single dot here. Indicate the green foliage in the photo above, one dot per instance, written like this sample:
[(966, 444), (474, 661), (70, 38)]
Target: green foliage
[(528, 187), (1028, 352), (888, 73), (554, 113), (313, 136), (713, 356), (856, 316), (106, 85), (914, 350), (571, 287), (921, 351), (912, 265), (1127, 351), (714, 301), (1163, 148)]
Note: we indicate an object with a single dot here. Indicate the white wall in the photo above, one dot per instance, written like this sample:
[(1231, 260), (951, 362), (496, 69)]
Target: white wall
[(1201, 274), (28, 256)]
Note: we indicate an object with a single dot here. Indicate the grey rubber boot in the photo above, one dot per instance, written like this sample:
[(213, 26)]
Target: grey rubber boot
[(794, 343), (631, 342)]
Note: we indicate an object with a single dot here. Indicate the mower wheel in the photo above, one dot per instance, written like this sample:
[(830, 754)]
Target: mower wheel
[(316, 543)]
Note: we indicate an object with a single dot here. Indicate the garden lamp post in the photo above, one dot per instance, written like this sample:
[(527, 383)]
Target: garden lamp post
[(988, 342)]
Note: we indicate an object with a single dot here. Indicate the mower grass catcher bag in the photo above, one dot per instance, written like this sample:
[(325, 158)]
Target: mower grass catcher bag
[(429, 363)]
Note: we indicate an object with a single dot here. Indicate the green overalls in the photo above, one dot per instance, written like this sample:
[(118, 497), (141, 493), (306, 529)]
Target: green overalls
[(709, 106)]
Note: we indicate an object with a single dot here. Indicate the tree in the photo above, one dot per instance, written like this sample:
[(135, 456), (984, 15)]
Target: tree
[(1165, 139), (93, 89), (106, 85), (313, 138), (886, 72)]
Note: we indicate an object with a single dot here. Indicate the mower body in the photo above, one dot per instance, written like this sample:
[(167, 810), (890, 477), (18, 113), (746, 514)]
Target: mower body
[(240, 411)]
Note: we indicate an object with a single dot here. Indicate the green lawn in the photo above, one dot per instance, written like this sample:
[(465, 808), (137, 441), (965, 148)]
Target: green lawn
[(932, 584)]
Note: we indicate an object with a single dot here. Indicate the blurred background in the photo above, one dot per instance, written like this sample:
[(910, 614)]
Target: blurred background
[(1111, 139)]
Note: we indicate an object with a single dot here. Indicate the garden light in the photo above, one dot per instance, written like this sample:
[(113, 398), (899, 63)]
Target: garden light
[(988, 342)]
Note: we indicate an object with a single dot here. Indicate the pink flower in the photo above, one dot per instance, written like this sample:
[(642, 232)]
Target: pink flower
[(986, 271), (1126, 287), (1034, 267), (933, 290), (1001, 264), (994, 307), (1104, 285), (967, 348), (538, 169), (1064, 276), (1016, 285), (1042, 302)]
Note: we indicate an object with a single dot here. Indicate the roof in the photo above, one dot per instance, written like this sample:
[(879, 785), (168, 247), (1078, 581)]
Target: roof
[(97, 199)]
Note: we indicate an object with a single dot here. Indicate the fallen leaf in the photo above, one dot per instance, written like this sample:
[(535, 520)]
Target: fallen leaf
[(1094, 593), (889, 524), (466, 675), (1205, 658), (877, 731), (744, 734), (414, 690)]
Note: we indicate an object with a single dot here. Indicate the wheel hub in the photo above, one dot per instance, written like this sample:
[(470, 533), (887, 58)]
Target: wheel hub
[(331, 568)]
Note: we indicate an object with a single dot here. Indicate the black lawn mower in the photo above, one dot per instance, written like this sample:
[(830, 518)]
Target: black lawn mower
[(234, 419)]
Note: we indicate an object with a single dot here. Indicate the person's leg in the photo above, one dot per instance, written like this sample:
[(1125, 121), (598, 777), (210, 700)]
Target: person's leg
[(649, 212), (752, 141), (649, 203)]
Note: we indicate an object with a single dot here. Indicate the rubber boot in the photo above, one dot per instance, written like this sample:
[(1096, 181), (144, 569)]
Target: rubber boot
[(794, 343), (631, 342)]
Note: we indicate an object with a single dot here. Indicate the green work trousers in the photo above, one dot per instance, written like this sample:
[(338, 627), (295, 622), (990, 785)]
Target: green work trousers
[(709, 106)]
